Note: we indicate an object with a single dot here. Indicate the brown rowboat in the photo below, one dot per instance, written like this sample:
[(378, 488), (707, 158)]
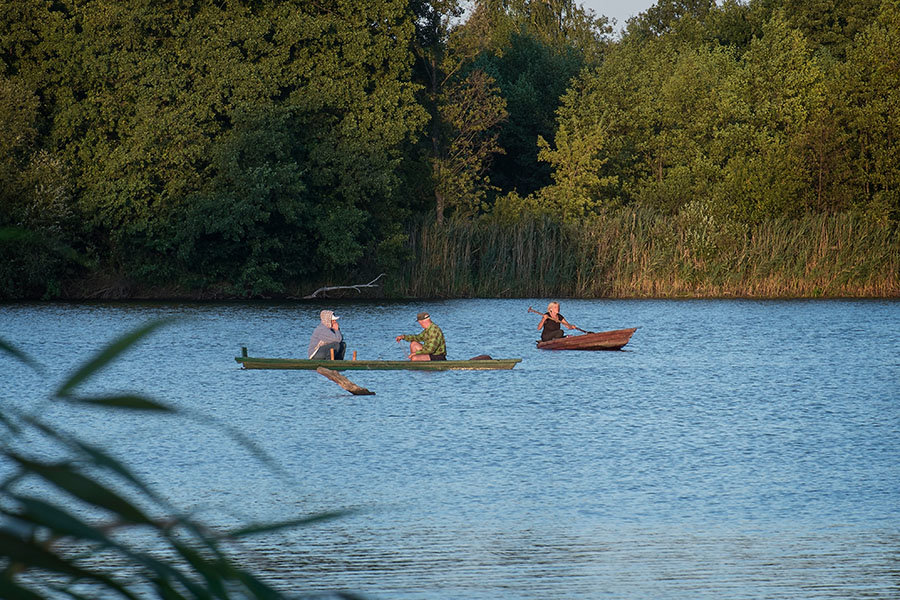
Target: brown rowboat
[(604, 340)]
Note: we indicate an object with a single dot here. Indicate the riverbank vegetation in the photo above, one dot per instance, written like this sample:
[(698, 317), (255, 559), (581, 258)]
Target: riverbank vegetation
[(643, 254), (206, 150)]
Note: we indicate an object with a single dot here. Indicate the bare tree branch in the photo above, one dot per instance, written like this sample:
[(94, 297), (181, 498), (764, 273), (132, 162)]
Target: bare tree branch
[(358, 287)]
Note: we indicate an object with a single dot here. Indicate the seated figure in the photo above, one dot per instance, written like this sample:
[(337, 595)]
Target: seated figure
[(327, 337)]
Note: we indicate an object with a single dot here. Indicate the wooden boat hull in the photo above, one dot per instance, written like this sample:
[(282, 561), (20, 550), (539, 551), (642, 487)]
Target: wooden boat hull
[(604, 340), (249, 362)]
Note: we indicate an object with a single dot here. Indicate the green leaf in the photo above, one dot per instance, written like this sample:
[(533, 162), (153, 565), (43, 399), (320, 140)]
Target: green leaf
[(10, 349), (165, 589), (258, 588), (62, 523), (128, 401), (34, 556), (108, 354), (13, 591), (166, 573), (68, 479), (269, 527), (58, 521), (102, 459), (212, 572)]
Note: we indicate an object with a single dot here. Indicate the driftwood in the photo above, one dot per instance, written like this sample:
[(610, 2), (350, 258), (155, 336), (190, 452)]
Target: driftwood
[(344, 382), (357, 287)]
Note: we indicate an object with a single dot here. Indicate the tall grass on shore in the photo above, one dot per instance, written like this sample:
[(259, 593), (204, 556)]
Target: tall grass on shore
[(634, 253)]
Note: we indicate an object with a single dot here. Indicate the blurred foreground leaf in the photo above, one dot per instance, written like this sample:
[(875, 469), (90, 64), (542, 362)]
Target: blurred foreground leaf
[(10, 349), (68, 478), (124, 401), (48, 546), (270, 527), (108, 354), (41, 513), (22, 552)]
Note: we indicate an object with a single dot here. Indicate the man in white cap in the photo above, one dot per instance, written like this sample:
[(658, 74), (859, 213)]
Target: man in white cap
[(325, 337)]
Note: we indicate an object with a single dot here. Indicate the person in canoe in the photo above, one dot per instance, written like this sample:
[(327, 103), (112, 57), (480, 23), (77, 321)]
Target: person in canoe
[(551, 321), (326, 337), (429, 344)]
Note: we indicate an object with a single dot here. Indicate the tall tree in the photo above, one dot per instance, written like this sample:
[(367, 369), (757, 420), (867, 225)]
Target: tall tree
[(532, 77), (638, 128), (831, 25), (470, 110), (666, 15), (464, 107), (564, 25), (869, 88), (532, 48), (18, 113), (36, 187), (770, 103)]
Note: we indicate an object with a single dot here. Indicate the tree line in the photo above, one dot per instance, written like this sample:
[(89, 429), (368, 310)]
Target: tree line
[(248, 149)]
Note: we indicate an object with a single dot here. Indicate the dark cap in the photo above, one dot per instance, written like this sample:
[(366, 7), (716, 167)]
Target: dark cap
[(422, 316)]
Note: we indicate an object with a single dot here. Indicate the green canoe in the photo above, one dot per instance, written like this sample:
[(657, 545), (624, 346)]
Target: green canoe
[(250, 362)]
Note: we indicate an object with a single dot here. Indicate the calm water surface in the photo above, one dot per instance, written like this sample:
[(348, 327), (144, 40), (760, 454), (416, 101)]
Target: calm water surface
[(737, 449)]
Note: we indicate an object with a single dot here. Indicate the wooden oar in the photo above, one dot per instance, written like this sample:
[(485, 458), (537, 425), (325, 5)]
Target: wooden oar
[(557, 320)]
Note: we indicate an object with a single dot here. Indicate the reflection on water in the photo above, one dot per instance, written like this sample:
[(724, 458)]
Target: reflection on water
[(736, 449), (623, 562)]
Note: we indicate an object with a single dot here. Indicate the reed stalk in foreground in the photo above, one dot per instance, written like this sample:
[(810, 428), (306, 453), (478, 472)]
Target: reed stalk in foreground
[(633, 253), (83, 524)]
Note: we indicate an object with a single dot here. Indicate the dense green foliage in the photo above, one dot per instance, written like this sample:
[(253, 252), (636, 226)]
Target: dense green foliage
[(256, 148), (767, 129), (246, 143)]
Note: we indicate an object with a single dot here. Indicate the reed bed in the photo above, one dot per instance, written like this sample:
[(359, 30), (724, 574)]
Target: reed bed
[(633, 253)]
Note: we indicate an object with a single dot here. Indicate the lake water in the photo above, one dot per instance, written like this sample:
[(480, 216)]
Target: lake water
[(735, 449)]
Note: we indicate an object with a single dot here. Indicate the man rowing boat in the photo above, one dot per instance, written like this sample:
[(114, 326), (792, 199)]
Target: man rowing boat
[(427, 345), (551, 322)]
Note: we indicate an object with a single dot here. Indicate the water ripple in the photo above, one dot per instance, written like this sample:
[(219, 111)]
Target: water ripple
[(737, 449)]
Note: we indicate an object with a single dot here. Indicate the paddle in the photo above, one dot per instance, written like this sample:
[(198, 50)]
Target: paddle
[(557, 320)]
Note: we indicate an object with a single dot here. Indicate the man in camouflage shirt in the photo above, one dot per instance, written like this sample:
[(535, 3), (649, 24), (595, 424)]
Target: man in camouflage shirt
[(427, 345)]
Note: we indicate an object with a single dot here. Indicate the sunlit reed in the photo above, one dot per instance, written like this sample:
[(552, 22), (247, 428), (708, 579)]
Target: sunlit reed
[(641, 254)]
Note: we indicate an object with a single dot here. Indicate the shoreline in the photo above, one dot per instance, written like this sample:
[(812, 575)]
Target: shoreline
[(173, 294)]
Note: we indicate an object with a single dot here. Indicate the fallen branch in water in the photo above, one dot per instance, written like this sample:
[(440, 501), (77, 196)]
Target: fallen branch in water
[(344, 382), (357, 287)]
